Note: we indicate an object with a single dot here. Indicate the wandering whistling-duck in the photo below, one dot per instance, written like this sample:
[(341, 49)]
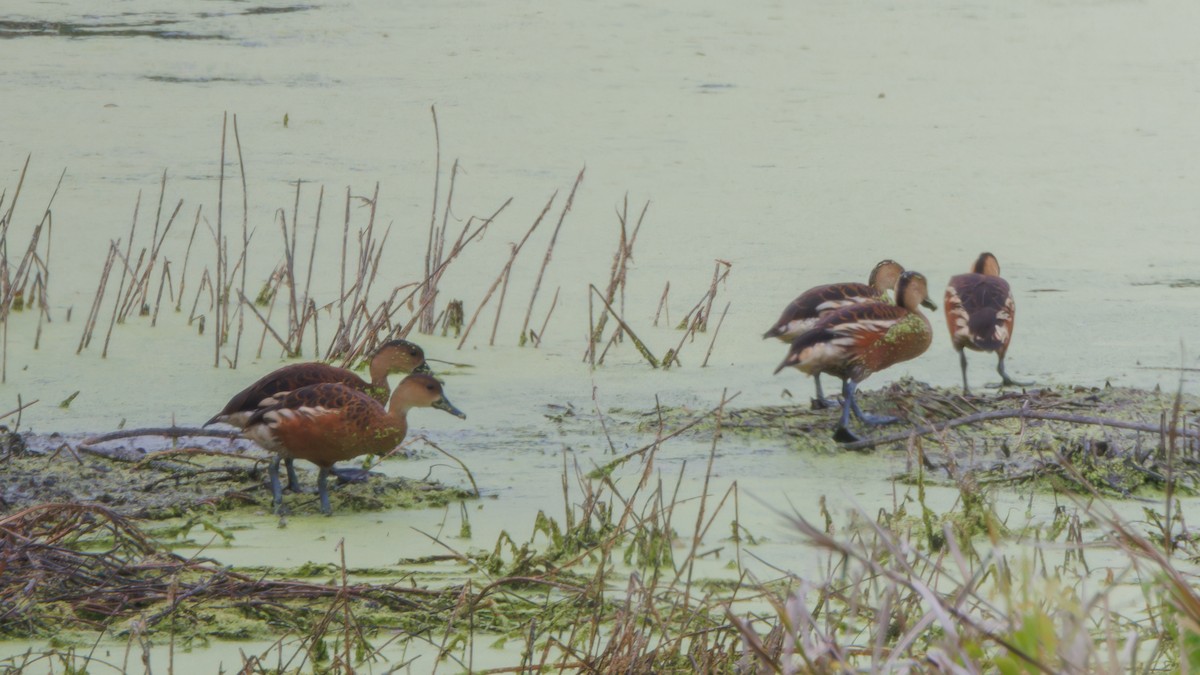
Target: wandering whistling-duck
[(327, 423), (857, 340), (802, 313), (394, 356), (980, 313)]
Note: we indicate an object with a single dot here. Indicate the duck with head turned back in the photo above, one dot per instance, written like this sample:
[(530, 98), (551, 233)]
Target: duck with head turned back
[(392, 357), (855, 341), (979, 313), (802, 313), (328, 423)]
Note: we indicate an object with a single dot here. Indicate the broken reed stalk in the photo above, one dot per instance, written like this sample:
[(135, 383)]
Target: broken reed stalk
[(537, 339), (620, 264), (164, 281), (265, 322), (306, 301), (662, 305), (437, 176), (124, 271), (697, 319), (186, 256), (713, 341), (641, 346), (90, 324), (549, 251), (244, 262), (219, 283), (289, 258), (275, 281), (205, 282), (502, 278)]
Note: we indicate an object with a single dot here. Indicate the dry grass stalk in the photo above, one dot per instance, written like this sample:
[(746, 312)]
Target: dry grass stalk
[(641, 346), (620, 264), (502, 278), (218, 282), (697, 318), (662, 306), (89, 325), (187, 256), (549, 252)]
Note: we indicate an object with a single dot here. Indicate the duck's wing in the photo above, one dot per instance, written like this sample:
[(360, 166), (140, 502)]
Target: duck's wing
[(980, 311), (288, 378), (820, 300)]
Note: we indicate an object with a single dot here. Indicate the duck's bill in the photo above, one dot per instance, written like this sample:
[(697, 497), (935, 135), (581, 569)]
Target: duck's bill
[(443, 404), (927, 303), (423, 368)]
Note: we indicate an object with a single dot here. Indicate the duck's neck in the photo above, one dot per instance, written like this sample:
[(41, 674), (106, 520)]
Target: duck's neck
[(379, 382)]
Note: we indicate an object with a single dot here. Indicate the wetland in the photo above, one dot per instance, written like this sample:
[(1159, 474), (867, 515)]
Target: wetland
[(587, 216)]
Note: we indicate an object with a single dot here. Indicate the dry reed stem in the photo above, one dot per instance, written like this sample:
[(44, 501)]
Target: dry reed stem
[(503, 278), (713, 341), (243, 261), (641, 346), (186, 256), (549, 251)]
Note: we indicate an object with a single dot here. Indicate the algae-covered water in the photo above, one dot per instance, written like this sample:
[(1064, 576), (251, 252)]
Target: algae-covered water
[(799, 142)]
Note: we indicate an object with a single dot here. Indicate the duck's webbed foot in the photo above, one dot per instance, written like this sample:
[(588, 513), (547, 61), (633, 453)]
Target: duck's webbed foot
[(844, 435), (823, 403), (819, 402)]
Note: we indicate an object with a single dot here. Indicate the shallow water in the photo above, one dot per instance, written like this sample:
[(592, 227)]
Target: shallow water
[(800, 142)]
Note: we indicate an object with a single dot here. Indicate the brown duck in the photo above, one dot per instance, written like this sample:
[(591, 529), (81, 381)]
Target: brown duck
[(394, 356), (327, 423), (802, 313), (855, 341), (979, 313)]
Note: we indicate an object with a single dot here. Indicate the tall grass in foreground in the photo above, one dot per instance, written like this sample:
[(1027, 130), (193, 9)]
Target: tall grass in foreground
[(637, 574)]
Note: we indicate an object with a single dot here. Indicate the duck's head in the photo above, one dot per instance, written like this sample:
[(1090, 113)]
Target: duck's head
[(912, 290), (399, 356), (987, 264), (885, 275), (420, 390)]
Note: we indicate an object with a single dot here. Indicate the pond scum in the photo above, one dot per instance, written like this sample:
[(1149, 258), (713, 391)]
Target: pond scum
[(610, 585)]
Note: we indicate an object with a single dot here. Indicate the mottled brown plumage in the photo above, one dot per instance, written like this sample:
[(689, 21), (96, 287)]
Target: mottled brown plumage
[(327, 423), (980, 312), (802, 313), (855, 341)]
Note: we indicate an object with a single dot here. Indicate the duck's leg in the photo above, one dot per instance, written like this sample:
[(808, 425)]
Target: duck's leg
[(962, 361), (843, 433), (276, 491), (323, 490), (865, 418), (293, 480), (820, 402), (1006, 380)]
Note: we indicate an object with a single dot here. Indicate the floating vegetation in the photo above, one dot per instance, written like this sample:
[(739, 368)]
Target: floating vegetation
[(1116, 436), (208, 475)]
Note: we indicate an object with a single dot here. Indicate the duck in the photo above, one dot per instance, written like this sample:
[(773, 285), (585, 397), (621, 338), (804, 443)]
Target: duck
[(331, 422), (392, 357), (980, 312), (802, 313), (855, 341)]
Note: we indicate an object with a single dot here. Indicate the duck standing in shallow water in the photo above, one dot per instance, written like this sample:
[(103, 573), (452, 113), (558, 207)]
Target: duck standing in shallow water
[(980, 313), (802, 313), (855, 341), (393, 356), (328, 423)]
